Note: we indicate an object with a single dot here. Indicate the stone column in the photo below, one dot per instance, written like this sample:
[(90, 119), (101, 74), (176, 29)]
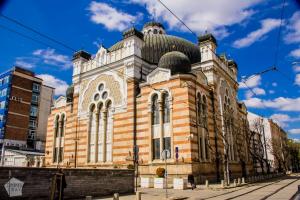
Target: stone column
[(161, 126), (151, 132), (171, 129), (89, 137), (104, 134), (60, 127), (96, 135)]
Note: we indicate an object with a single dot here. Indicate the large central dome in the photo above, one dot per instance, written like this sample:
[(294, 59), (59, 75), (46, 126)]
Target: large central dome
[(156, 45)]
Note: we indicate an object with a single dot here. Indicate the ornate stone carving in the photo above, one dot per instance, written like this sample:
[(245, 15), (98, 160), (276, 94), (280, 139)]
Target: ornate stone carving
[(158, 75), (60, 102), (113, 87)]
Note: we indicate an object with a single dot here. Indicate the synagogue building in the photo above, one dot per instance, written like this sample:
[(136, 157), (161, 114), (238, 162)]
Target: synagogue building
[(152, 91)]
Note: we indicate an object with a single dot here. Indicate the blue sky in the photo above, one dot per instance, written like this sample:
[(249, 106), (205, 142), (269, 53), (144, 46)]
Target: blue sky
[(246, 30)]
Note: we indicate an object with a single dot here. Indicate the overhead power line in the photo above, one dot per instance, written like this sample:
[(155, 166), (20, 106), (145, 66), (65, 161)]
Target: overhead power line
[(279, 33), (36, 31), (164, 5), (26, 36)]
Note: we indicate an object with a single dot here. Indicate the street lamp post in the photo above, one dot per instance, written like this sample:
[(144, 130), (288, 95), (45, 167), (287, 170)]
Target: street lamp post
[(165, 154)]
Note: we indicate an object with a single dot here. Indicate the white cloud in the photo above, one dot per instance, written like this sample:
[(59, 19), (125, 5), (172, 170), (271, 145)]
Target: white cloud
[(25, 62), (267, 25), (271, 92), (111, 18), (257, 91), (293, 28), (296, 68), (280, 103), (59, 85), (283, 119), (297, 80), (254, 103), (201, 15), (50, 57), (251, 82), (295, 53), (274, 84), (294, 131)]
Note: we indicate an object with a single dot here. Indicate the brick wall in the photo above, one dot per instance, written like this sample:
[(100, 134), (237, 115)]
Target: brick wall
[(80, 182)]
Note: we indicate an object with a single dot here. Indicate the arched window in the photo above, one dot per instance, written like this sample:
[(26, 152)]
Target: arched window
[(166, 121), (56, 135), (92, 134), (204, 111), (206, 148), (155, 127), (166, 108), (155, 31), (200, 146), (155, 110), (62, 131), (109, 127), (59, 131), (228, 125), (56, 126), (100, 132), (199, 110)]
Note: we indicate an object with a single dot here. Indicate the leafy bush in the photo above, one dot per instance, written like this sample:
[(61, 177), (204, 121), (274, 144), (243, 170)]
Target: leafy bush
[(130, 166), (160, 172)]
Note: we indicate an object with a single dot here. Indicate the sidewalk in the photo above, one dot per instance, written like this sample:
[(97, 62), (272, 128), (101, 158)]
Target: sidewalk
[(277, 189)]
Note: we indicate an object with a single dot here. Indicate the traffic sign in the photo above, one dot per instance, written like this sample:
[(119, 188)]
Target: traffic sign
[(176, 153), (165, 154)]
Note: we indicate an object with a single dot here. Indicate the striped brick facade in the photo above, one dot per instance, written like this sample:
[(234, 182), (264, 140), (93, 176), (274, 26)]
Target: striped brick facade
[(131, 83)]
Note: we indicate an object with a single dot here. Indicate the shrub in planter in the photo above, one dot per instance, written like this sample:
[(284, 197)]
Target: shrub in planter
[(130, 166), (160, 172)]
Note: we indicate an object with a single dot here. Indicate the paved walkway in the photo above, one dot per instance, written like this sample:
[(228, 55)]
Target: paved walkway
[(276, 189)]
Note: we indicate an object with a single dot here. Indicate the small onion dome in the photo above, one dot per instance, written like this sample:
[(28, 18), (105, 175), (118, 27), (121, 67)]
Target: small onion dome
[(232, 63), (207, 37), (176, 61), (70, 93), (131, 32), (153, 23), (82, 54)]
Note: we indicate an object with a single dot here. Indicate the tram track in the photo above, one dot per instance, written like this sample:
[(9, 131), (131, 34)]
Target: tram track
[(250, 185), (253, 190)]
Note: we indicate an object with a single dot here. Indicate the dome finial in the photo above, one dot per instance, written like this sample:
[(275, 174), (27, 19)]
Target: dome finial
[(154, 14)]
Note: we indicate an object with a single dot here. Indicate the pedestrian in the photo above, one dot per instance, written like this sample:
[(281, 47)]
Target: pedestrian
[(61, 184), (191, 180)]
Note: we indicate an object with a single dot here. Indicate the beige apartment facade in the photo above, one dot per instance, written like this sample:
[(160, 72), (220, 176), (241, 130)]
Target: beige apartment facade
[(152, 91)]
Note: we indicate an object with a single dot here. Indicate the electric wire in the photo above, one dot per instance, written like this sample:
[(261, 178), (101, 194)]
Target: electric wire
[(279, 34), (26, 36), (36, 31)]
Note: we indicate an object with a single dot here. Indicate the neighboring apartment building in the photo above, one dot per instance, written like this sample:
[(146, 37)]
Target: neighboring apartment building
[(279, 146), (24, 108), (273, 140), (158, 92)]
